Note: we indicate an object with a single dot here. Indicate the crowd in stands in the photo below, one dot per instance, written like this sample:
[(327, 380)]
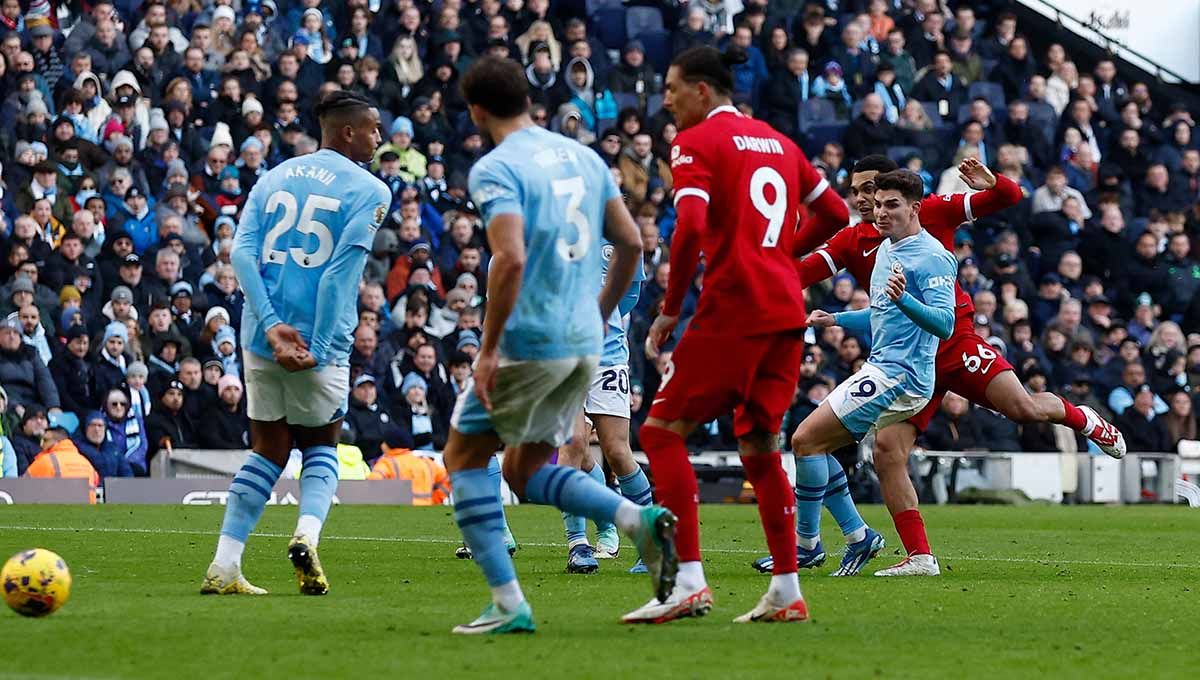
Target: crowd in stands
[(131, 132)]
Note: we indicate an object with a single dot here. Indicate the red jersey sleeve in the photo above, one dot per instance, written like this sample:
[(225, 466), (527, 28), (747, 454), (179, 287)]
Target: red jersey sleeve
[(827, 212), (690, 172), (827, 260), (692, 179), (942, 215)]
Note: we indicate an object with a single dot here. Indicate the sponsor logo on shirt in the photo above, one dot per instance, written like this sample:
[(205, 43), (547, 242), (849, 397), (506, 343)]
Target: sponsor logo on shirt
[(941, 281), (677, 157)]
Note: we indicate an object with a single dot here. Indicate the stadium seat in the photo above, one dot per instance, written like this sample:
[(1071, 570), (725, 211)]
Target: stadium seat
[(931, 110), (900, 153), (609, 26), (990, 91), (643, 20), (816, 111), (658, 48), (627, 100), (594, 6), (820, 134), (67, 421), (654, 104)]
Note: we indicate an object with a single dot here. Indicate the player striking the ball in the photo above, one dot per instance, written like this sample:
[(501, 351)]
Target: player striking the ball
[(738, 188), (546, 201), (966, 364), (299, 254)]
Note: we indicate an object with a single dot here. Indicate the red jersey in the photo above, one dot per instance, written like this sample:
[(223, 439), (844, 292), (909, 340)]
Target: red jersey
[(853, 248), (752, 180)]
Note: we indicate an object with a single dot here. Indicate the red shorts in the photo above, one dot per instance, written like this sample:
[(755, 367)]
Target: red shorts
[(966, 365), (709, 375)]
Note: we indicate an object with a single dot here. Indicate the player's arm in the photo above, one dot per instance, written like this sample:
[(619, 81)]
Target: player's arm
[(828, 211), (339, 283), (935, 316), (622, 232), (692, 181), (993, 193), (857, 321), (245, 258), (827, 260)]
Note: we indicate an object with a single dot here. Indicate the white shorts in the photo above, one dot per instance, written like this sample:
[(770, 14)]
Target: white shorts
[(312, 398), (608, 394), (533, 402), (870, 400)]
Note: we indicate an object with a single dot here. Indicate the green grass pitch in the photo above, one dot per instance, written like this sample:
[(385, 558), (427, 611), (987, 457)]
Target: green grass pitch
[(1036, 591)]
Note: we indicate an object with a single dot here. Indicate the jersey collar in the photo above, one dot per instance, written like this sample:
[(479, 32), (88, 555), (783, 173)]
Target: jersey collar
[(723, 109)]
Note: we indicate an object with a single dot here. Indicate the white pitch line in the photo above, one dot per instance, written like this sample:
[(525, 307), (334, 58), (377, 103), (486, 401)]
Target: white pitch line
[(1046, 561)]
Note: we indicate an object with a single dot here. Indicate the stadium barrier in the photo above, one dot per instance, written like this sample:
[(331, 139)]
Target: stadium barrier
[(27, 490), (215, 491)]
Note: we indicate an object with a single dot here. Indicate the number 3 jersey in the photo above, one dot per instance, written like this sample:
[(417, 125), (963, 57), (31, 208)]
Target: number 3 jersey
[(753, 180), (560, 188), (300, 249)]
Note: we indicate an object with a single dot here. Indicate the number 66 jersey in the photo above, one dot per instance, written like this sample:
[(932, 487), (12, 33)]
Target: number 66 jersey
[(300, 249), (753, 180)]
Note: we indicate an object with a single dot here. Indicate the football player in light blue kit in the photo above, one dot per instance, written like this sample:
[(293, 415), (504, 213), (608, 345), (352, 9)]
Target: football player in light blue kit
[(912, 309), (299, 252), (546, 201), (607, 410)]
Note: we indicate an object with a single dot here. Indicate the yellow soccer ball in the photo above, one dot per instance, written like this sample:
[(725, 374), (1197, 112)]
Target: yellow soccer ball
[(36, 582)]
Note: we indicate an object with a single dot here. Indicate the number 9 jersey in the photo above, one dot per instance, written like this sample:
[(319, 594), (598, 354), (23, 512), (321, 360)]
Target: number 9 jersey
[(753, 180)]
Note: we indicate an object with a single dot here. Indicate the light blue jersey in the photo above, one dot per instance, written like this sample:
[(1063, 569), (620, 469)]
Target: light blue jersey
[(560, 188), (616, 345), (898, 343), (299, 251)]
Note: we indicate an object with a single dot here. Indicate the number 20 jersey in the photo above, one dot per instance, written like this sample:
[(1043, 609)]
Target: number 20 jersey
[(753, 180)]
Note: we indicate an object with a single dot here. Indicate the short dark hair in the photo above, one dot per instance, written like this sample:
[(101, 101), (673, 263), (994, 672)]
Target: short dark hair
[(907, 182), (341, 102), (499, 86), (876, 162), (707, 64)]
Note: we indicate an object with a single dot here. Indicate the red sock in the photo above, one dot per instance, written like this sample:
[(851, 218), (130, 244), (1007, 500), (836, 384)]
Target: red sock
[(675, 486), (776, 508), (911, 528), (1075, 419)]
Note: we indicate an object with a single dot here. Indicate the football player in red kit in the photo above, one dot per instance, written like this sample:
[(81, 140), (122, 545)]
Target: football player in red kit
[(966, 364), (738, 188)]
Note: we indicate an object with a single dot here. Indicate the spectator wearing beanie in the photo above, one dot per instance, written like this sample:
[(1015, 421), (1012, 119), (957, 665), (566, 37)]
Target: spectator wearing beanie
[(412, 410), (111, 362), (225, 425), (168, 425), (367, 417)]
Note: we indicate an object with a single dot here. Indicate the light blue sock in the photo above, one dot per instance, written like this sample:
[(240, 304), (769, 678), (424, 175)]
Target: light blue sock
[(812, 477), (572, 491), (636, 487), (837, 498), (597, 473), (576, 528), (248, 495), (495, 474), (480, 517), (318, 481)]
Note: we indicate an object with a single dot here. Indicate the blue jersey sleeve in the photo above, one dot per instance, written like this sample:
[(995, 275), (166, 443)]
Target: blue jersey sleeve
[(935, 281), (858, 321), (339, 283), (494, 191), (246, 256)]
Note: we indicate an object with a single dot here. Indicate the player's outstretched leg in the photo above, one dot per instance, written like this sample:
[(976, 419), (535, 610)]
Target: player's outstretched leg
[(318, 483), (776, 505), (862, 542), (651, 528), (1010, 398), (248, 495), (677, 490)]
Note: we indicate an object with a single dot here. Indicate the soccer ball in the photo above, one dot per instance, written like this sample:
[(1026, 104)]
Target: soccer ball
[(36, 582)]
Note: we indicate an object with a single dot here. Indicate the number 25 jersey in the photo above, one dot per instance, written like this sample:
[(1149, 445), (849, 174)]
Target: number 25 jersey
[(753, 180)]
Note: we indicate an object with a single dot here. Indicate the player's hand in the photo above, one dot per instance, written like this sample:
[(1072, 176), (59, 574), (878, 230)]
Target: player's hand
[(485, 377), (820, 318), (289, 348), (660, 330), (975, 174), (895, 286)]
